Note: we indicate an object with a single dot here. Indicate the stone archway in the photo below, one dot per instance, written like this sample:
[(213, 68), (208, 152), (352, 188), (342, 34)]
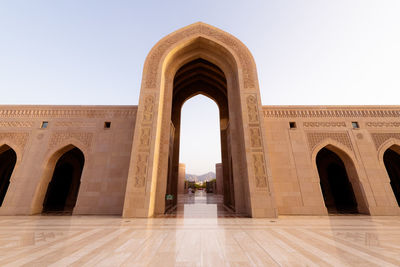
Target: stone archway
[(391, 159), (8, 159), (205, 45), (340, 184), (62, 191)]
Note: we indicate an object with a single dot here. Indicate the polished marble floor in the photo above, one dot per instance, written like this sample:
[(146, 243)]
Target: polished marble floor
[(198, 236)]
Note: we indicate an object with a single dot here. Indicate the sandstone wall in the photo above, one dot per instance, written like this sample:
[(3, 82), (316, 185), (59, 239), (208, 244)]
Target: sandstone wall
[(106, 150), (292, 153)]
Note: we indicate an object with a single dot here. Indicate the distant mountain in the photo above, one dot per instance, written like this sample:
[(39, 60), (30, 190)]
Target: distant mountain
[(200, 178)]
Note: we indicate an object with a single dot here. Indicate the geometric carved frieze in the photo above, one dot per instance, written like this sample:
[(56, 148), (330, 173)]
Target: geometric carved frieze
[(65, 112), (315, 138), (19, 139), (374, 124), (278, 112), (74, 124), (324, 124), (84, 138), (380, 138), (16, 124)]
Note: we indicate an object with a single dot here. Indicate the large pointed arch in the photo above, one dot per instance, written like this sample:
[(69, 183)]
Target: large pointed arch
[(149, 160)]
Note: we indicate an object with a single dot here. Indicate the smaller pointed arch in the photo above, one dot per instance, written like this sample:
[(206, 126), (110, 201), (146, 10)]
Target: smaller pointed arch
[(391, 160), (8, 160), (58, 188), (340, 184)]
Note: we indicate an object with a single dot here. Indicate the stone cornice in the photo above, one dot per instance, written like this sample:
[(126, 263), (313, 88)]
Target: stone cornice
[(331, 111), (31, 111)]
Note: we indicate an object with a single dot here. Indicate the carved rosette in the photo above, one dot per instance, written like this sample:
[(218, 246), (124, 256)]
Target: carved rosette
[(315, 138), (380, 138), (142, 159), (256, 144)]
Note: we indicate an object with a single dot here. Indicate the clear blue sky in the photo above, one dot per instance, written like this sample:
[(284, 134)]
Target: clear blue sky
[(307, 52)]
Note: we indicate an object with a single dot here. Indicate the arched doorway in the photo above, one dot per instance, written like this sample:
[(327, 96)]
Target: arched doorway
[(200, 77), (63, 188), (199, 59), (391, 159), (336, 187), (8, 158)]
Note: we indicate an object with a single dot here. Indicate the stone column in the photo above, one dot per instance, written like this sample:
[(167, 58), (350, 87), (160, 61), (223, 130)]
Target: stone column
[(220, 179), (181, 178)]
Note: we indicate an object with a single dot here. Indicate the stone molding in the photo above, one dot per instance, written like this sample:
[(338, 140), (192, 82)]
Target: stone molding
[(330, 112), (324, 124), (78, 111), (375, 124)]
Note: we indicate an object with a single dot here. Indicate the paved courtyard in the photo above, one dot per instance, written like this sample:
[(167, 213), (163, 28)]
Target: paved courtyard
[(205, 237)]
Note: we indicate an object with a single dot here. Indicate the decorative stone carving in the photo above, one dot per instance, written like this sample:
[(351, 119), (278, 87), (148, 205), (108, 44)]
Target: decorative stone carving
[(380, 138), (66, 113), (75, 124), (142, 159), (271, 112), (20, 139), (259, 170), (141, 169), (374, 124), (16, 124), (315, 138), (148, 109), (324, 124), (197, 30), (84, 138), (255, 137), (252, 109), (145, 137)]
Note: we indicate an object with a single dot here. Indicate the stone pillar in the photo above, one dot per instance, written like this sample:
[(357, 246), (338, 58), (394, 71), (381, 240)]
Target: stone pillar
[(220, 179), (181, 178)]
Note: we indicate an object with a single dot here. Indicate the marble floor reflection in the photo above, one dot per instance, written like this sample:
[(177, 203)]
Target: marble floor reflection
[(194, 240), (201, 205)]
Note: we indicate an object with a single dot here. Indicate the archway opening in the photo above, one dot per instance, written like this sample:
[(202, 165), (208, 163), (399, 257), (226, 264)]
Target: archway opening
[(199, 77), (62, 191), (8, 158), (391, 159), (336, 187)]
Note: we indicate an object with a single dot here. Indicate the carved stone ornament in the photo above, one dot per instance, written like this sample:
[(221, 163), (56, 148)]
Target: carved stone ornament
[(315, 138), (380, 138)]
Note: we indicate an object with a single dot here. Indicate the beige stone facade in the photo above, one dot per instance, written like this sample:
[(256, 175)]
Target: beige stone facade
[(275, 159)]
